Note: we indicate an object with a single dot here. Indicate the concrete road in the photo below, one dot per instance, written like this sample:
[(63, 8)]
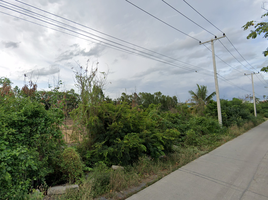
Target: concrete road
[(237, 170)]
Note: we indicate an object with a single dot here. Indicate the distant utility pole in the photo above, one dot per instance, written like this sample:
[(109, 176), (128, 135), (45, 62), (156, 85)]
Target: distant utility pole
[(215, 76), (254, 100)]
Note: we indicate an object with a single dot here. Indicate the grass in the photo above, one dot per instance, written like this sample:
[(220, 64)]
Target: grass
[(119, 184)]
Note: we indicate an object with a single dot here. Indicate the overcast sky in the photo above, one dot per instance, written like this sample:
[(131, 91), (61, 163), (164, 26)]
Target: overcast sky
[(48, 53)]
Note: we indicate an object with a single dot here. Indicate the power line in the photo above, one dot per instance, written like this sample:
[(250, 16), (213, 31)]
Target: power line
[(240, 53), (208, 32), (91, 29), (233, 55), (162, 20), (102, 42), (231, 83), (187, 17), (188, 34), (61, 31), (102, 33), (183, 32), (263, 80), (227, 39), (220, 31), (203, 16), (229, 64), (223, 60), (241, 62)]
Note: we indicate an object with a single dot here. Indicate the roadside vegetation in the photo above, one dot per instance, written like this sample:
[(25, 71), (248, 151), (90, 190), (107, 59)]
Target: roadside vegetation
[(150, 135)]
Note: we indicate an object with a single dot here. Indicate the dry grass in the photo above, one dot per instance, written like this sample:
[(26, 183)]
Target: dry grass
[(235, 131), (84, 192)]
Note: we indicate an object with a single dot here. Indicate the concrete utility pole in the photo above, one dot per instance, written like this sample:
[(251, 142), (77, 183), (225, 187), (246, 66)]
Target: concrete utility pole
[(254, 100), (215, 76)]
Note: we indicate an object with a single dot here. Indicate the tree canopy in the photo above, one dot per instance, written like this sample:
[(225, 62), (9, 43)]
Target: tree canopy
[(259, 28)]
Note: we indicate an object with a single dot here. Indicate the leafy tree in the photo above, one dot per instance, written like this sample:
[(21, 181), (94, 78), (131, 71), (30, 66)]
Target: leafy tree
[(234, 112), (201, 98), (5, 88), (167, 102), (30, 140), (90, 85), (260, 28), (5, 81)]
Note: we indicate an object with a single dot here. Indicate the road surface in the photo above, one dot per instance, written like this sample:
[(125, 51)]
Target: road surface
[(237, 170)]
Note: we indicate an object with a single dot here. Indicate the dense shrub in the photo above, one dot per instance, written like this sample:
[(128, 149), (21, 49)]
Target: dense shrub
[(30, 139), (121, 134), (234, 112), (71, 165), (262, 108), (204, 125)]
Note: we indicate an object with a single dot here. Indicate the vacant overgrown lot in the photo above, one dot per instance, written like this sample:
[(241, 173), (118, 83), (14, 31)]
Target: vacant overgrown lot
[(150, 135)]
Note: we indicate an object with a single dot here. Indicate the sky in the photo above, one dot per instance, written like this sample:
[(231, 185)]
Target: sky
[(149, 50)]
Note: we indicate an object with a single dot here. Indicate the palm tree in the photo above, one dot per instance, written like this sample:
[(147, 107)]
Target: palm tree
[(200, 97)]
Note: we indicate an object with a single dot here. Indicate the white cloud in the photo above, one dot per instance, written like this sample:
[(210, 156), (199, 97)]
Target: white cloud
[(25, 45)]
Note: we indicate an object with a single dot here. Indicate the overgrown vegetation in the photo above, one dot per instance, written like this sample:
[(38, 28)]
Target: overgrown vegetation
[(149, 134), (30, 142)]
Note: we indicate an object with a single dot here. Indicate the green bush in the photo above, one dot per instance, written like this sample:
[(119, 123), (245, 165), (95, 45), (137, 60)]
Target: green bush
[(122, 134), (71, 165), (100, 177), (191, 138), (29, 140), (234, 112), (35, 195), (204, 125)]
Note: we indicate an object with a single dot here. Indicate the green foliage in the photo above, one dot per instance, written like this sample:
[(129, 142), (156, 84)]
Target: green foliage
[(144, 99), (67, 101), (234, 112), (35, 195), (202, 130), (29, 140), (101, 179), (4, 80), (201, 98), (260, 28), (90, 86), (204, 125), (71, 165), (122, 134), (262, 108), (166, 102), (191, 137)]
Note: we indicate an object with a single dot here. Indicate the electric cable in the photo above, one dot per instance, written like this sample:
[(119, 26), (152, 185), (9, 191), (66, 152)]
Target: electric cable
[(125, 50), (187, 17), (176, 28), (91, 29), (103, 33), (161, 20), (118, 48), (220, 31)]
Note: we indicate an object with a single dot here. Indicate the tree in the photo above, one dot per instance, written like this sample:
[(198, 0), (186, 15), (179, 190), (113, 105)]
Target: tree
[(5, 87), (260, 28), (201, 98)]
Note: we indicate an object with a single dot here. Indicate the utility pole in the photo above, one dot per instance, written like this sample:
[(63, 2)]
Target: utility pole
[(215, 76), (254, 100)]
